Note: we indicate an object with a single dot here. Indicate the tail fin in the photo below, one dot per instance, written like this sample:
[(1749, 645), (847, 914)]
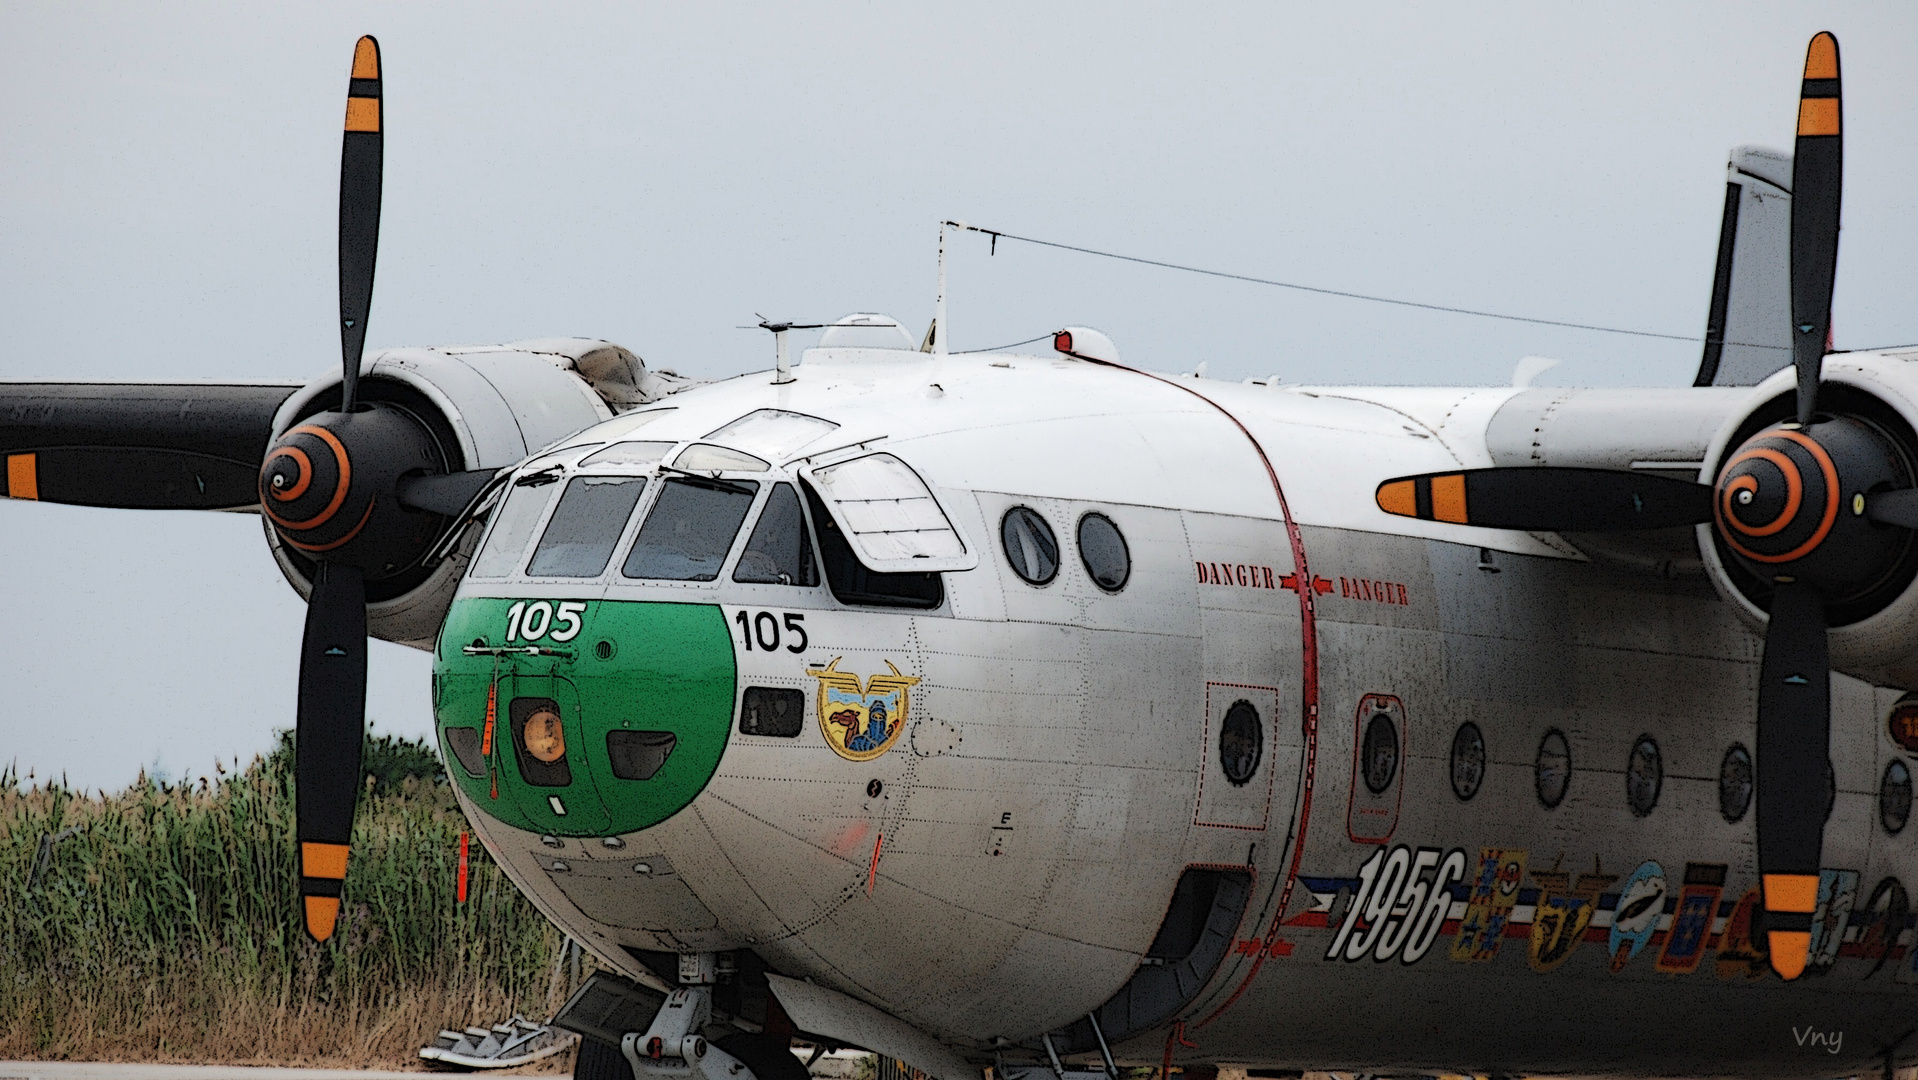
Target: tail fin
[(1748, 330)]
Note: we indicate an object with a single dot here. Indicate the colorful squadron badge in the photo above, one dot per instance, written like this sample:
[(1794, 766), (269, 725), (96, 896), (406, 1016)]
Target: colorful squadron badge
[(861, 723)]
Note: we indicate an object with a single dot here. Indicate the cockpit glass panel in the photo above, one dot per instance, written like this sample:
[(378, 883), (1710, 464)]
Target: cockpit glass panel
[(689, 529), (512, 528), (632, 453), (776, 433), (705, 457), (585, 526), (779, 552)]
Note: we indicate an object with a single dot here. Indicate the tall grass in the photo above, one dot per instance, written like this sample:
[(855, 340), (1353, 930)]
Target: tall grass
[(167, 927)]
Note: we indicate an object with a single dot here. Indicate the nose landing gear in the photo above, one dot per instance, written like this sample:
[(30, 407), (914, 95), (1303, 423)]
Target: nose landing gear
[(672, 1048)]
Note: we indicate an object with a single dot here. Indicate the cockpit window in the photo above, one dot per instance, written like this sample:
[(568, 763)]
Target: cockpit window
[(513, 526), (690, 529), (850, 580), (779, 551), (585, 526), (631, 453)]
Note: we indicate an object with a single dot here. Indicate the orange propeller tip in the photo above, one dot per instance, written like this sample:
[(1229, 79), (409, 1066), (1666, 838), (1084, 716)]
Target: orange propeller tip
[(366, 58), (322, 914), (1821, 57), (1790, 949), (1399, 497)]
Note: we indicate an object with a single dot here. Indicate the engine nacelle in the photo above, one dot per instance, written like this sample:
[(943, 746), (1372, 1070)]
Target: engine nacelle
[(474, 407), (1874, 622)]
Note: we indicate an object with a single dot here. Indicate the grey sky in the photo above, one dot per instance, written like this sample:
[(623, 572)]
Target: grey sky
[(656, 174)]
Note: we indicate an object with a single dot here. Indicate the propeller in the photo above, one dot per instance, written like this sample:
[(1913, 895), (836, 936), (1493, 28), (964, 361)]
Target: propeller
[(1779, 506), (362, 494)]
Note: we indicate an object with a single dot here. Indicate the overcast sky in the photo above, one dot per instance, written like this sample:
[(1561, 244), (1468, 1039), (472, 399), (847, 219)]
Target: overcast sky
[(655, 174)]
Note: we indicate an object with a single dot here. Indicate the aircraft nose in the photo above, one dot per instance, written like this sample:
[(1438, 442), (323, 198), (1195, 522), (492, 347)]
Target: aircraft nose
[(582, 717)]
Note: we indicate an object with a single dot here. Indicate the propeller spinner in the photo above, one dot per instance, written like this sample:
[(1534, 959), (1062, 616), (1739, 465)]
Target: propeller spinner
[(1802, 505)]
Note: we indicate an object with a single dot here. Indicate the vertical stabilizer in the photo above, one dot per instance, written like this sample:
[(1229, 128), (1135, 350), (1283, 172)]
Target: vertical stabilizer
[(1748, 330)]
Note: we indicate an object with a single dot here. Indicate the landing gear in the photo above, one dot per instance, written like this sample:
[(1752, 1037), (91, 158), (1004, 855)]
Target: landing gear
[(769, 1058), (596, 1060), (673, 1049)]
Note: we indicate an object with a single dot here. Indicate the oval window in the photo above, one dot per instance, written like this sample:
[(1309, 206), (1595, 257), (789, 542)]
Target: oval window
[(1241, 741), (1030, 546), (1735, 783), (1468, 761), (1894, 796), (1381, 752), (1553, 771), (1104, 553), (1644, 775)]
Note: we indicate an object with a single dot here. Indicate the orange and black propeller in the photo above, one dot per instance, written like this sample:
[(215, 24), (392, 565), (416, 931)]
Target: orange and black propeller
[(358, 495), (1816, 509)]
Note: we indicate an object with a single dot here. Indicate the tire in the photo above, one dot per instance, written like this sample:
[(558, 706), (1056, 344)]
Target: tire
[(769, 1059), (596, 1060)]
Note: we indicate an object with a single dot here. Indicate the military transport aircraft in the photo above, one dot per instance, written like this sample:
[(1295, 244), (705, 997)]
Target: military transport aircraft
[(1039, 713)]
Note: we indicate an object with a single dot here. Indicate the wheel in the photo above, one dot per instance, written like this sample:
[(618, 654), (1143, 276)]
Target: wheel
[(596, 1060), (768, 1058)]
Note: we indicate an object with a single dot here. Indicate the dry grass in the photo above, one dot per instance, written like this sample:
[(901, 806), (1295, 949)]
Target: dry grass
[(166, 927)]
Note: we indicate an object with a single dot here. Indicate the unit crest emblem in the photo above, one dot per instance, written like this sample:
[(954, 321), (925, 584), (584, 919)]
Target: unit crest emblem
[(861, 723)]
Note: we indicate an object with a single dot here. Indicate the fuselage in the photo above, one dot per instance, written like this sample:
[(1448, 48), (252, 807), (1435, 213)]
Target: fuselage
[(1406, 763)]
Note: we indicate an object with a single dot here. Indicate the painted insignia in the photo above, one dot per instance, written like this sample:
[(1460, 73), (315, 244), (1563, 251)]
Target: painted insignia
[(1489, 907), (1742, 953), (1692, 921), (862, 722), (1837, 892), (1640, 904), (1561, 915)]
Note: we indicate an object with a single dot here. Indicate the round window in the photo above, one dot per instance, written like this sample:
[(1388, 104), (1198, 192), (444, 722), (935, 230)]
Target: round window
[(1553, 772), (1030, 546), (1241, 741), (1103, 551), (1735, 783), (1380, 752), (1894, 796), (1644, 775), (1468, 760)]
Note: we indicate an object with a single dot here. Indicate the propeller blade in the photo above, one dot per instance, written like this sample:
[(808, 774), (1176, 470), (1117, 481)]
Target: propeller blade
[(445, 494), (328, 738), (1794, 727), (1817, 177), (360, 167), (1549, 499), (136, 446), (1894, 507)]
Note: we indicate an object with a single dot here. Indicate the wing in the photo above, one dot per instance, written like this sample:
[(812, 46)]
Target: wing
[(886, 684)]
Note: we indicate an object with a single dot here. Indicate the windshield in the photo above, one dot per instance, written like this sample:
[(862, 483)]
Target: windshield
[(778, 553), (585, 526), (513, 527), (690, 529)]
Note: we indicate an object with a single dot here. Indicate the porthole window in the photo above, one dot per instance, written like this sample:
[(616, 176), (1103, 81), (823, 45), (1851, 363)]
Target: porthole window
[(1644, 776), (1241, 742), (1468, 761), (1894, 796), (1381, 752), (1553, 771), (1735, 783), (1030, 546), (1104, 553)]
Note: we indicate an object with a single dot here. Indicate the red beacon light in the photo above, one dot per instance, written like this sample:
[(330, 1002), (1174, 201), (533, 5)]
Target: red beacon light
[(1085, 343)]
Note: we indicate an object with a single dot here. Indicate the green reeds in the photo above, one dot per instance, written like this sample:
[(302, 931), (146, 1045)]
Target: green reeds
[(167, 927)]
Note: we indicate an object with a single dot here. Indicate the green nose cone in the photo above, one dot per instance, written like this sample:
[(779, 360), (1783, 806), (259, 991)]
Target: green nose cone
[(617, 735)]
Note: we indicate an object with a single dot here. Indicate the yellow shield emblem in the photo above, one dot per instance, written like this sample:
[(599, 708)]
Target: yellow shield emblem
[(862, 722)]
